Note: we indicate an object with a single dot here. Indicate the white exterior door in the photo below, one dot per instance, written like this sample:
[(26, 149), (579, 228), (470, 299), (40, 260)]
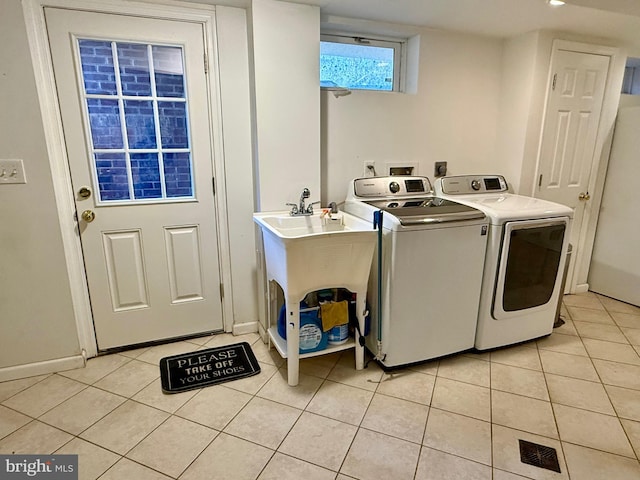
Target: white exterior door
[(135, 111), (570, 131)]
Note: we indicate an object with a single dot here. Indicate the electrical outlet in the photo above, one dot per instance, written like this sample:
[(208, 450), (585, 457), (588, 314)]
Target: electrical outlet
[(12, 171), (440, 169), (370, 168)]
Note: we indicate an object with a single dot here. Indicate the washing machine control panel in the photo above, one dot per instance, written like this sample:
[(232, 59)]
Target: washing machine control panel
[(471, 184), (391, 186)]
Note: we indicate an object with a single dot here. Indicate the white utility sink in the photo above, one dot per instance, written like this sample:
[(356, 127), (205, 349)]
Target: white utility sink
[(308, 253), (287, 226)]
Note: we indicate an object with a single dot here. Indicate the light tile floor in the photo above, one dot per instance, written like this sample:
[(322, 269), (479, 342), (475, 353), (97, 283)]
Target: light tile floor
[(577, 391)]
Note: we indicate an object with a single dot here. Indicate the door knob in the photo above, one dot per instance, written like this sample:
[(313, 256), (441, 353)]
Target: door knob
[(584, 196), (88, 216), (84, 192)]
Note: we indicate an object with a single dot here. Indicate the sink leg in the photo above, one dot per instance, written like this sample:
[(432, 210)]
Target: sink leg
[(360, 308), (293, 340)]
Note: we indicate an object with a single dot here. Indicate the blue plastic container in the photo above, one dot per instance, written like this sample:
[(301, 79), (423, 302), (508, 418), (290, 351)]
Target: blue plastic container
[(339, 334), (312, 338)]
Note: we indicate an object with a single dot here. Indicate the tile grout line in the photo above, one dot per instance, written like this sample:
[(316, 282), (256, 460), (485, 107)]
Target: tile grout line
[(553, 411)]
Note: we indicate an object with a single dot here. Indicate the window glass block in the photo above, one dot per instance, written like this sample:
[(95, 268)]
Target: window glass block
[(112, 176), (173, 124), (177, 174), (97, 67), (133, 63), (141, 130), (169, 71), (356, 66), (145, 172), (104, 118)]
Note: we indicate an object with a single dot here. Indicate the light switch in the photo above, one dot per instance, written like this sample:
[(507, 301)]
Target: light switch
[(12, 171)]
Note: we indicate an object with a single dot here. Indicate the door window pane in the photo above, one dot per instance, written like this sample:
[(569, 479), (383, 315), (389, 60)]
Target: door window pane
[(173, 124), (133, 62), (169, 71), (104, 118), (141, 129), (112, 176), (138, 119), (145, 173), (97, 67), (177, 174)]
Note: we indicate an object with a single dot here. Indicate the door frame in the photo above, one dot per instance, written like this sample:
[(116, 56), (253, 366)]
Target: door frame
[(56, 147), (581, 255)]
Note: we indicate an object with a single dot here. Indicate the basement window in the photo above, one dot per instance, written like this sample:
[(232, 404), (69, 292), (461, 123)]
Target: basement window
[(359, 63)]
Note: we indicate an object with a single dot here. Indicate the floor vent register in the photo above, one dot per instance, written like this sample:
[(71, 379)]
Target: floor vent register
[(539, 456)]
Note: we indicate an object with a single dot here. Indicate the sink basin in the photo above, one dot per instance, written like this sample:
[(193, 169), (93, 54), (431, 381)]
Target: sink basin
[(285, 226), (308, 253)]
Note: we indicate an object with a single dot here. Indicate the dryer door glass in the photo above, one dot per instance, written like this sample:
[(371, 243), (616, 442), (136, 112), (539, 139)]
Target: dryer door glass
[(532, 264)]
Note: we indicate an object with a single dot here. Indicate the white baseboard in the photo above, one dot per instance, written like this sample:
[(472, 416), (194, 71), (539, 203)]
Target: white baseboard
[(263, 333), (243, 328), (582, 288), (41, 368)]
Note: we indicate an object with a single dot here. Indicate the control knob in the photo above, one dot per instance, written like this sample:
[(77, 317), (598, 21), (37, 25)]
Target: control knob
[(394, 187), (475, 184)]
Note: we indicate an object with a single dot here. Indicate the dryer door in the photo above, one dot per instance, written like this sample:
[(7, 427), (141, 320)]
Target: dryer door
[(530, 271)]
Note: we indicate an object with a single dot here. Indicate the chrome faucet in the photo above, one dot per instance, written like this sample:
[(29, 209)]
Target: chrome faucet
[(300, 208), (306, 193)]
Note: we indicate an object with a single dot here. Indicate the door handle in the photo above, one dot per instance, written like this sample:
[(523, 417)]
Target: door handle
[(88, 216), (584, 196)]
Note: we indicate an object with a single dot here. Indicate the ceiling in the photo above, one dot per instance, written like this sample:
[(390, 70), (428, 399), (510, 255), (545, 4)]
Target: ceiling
[(612, 19)]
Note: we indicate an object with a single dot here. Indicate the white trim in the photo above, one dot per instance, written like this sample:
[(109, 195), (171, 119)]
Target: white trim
[(244, 328), (52, 123), (61, 176), (217, 148), (41, 368), (581, 288)]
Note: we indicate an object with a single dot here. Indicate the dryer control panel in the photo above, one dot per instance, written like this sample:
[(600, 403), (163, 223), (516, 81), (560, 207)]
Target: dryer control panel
[(471, 184), (391, 186)]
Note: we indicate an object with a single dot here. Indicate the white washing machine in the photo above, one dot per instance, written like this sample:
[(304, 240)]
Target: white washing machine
[(432, 257), (526, 254)]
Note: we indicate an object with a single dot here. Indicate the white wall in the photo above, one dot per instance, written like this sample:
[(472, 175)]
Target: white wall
[(286, 49), (285, 39), (452, 117), (517, 85), (36, 315)]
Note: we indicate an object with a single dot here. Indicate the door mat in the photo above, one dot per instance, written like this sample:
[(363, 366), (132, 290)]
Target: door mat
[(204, 368)]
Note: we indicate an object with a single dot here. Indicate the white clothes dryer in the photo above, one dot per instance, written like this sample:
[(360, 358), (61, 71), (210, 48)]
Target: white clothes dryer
[(431, 261), (525, 258)]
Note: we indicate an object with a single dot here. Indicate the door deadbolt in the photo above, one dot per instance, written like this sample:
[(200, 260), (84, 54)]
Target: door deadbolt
[(88, 216), (584, 196), (84, 192)]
